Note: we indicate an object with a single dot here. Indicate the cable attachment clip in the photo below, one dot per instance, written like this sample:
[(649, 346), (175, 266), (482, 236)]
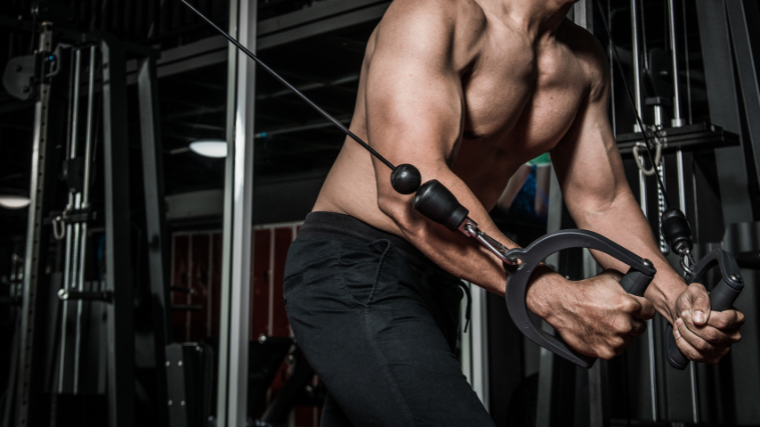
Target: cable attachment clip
[(658, 143), (677, 233), (470, 229)]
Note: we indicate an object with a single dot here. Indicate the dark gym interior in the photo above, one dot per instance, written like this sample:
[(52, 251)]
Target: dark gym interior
[(153, 177)]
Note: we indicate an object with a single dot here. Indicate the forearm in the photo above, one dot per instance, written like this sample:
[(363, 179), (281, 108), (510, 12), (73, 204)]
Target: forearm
[(460, 255), (637, 237)]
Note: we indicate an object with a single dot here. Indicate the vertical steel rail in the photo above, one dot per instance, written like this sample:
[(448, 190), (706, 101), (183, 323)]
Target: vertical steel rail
[(155, 215), (687, 64), (724, 108), (85, 204), (72, 230), (677, 121), (229, 180), (120, 312), (635, 55), (746, 71), (29, 410), (234, 342)]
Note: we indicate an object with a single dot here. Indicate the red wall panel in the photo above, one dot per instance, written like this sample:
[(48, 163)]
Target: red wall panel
[(283, 237), (200, 283), (260, 294), (180, 278), (197, 264)]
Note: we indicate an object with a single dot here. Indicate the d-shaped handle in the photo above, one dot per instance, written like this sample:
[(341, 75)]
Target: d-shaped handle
[(722, 297), (634, 282)]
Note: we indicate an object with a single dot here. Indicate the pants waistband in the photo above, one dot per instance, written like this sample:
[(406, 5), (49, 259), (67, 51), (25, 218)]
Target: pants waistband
[(332, 225)]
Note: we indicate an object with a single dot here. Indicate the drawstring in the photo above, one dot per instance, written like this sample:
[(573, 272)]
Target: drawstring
[(466, 290)]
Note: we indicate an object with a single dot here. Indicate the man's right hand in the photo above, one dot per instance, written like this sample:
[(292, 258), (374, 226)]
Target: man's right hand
[(595, 316)]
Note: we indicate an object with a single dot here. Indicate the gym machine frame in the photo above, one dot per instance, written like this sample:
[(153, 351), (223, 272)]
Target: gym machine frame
[(30, 405)]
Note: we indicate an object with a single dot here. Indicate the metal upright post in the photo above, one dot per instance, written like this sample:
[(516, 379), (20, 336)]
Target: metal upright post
[(79, 279), (746, 71), (72, 235), (677, 121), (724, 108), (155, 212), (30, 408), (635, 54), (118, 276), (743, 16), (236, 271)]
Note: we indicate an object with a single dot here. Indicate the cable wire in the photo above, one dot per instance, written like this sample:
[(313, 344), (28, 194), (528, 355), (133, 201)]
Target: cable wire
[(287, 84), (640, 122)]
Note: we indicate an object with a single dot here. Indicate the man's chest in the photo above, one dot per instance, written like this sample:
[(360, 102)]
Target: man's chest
[(522, 106)]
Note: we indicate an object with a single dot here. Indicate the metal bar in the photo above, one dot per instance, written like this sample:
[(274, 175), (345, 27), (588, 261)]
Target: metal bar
[(745, 67), (612, 74), (30, 411), (686, 58), (635, 56), (320, 27), (242, 207), (227, 249), (695, 411), (676, 121), (74, 254), (89, 134), (599, 411), (724, 109), (743, 18), (479, 332), (546, 358), (121, 379), (72, 230), (85, 204), (75, 112), (155, 215), (273, 32), (65, 304), (316, 12)]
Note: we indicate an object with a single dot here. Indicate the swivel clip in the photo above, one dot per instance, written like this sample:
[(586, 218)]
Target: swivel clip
[(470, 228)]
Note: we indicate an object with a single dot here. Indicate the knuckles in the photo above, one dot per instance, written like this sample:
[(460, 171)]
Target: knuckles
[(627, 305)]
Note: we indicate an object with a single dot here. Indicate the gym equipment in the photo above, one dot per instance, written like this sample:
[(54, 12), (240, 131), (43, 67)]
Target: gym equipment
[(674, 227), (635, 282), (55, 350), (436, 202), (722, 297)]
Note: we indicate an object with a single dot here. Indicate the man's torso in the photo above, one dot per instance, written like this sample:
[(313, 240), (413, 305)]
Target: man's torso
[(520, 97)]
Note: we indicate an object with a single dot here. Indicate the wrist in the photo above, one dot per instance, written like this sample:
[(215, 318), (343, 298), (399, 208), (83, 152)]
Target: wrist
[(664, 292), (543, 286)]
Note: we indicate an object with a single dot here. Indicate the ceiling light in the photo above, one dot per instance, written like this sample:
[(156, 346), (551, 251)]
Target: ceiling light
[(215, 148), (14, 202)]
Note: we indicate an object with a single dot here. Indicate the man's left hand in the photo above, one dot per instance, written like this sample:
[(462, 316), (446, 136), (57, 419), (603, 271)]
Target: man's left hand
[(703, 335)]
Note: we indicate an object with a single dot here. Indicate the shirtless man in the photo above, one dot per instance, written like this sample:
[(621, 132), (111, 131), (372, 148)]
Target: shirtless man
[(467, 91)]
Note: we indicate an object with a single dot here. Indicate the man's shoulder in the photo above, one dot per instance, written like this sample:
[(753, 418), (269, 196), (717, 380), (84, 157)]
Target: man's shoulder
[(588, 50), (584, 45), (449, 15), (445, 29)]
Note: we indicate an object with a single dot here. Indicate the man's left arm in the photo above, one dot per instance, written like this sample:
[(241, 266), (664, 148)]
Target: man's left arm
[(597, 194)]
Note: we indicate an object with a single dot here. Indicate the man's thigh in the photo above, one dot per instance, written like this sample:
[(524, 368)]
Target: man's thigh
[(362, 315)]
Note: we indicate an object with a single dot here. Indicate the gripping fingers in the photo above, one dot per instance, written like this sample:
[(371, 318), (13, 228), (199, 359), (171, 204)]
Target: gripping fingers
[(722, 329), (695, 347), (700, 303), (726, 320)]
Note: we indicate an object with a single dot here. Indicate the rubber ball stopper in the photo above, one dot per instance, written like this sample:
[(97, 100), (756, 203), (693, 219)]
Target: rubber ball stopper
[(406, 179)]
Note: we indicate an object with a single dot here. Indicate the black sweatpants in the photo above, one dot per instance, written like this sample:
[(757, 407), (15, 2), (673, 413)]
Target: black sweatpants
[(378, 322)]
